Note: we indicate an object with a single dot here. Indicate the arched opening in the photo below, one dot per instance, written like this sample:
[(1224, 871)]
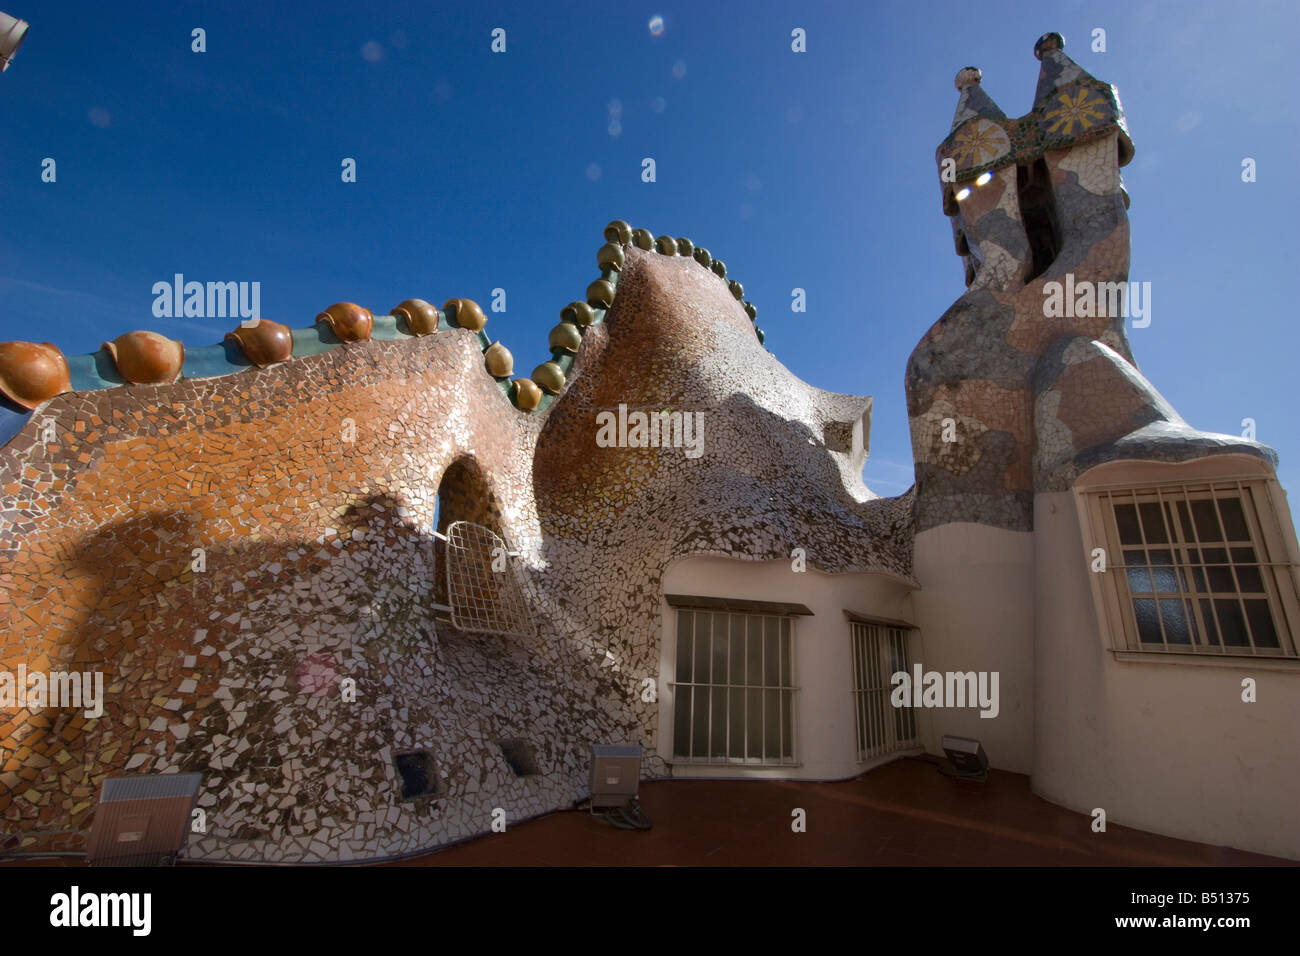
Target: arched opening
[(463, 495), (1038, 213), (474, 579)]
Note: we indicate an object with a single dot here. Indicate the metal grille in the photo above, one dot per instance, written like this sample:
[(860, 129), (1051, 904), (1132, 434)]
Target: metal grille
[(879, 652), (1195, 573), (483, 599), (142, 820), (734, 693)]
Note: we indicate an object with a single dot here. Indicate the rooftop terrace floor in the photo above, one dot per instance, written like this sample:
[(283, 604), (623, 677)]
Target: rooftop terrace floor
[(902, 814)]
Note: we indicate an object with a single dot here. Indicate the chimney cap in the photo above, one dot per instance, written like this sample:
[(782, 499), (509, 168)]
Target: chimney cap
[(1048, 41)]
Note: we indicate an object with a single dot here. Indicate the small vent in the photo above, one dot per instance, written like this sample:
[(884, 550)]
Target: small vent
[(519, 755), (418, 774)]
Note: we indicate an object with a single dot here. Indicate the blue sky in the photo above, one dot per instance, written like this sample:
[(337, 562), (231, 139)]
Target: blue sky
[(478, 170)]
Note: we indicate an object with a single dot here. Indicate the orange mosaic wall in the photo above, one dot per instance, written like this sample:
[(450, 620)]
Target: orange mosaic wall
[(319, 566)]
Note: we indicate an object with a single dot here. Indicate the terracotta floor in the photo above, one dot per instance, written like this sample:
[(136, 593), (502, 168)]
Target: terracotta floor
[(902, 814)]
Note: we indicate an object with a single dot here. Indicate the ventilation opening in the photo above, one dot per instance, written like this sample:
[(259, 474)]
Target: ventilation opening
[(464, 494), (1125, 149), (1038, 212), (950, 207), (418, 774), (520, 757)]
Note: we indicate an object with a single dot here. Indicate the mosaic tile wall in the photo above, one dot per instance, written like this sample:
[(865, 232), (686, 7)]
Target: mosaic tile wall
[(246, 534), (319, 566), (1005, 398)]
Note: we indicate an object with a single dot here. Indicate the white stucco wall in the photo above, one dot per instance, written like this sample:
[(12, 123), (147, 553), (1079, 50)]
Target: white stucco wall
[(975, 613), (825, 740), (1166, 746)]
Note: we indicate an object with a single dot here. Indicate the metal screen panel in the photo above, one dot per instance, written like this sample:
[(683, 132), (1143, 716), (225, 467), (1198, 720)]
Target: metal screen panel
[(481, 598), (142, 820)]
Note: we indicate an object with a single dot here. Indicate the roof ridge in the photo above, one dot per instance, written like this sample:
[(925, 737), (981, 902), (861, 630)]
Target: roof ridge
[(33, 373)]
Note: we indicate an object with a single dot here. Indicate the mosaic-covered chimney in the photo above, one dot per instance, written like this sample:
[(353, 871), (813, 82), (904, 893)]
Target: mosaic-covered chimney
[(1032, 200)]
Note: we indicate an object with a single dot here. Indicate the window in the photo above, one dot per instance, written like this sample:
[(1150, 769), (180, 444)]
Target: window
[(879, 652), (734, 692), (1198, 569)]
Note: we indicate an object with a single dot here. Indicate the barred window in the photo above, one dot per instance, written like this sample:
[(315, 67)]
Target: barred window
[(1199, 568), (879, 652), (734, 690)]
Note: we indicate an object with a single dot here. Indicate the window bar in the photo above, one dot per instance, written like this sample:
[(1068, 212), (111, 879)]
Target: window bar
[(1146, 557), (1210, 625), (785, 643), (1211, 589), (869, 693), (1178, 557), (857, 691), (909, 715), (1151, 569), (690, 747), (1227, 554), (780, 695), (913, 723), (868, 682), (877, 682), (871, 683), (883, 682), (864, 683), (895, 715), (1276, 576), (1232, 561), (877, 653), (887, 725), (794, 710), (763, 693), (1204, 563), (864, 695), (749, 623), (731, 640), (864, 744), (708, 671), (1132, 630), (1268, 571), (902, 713), (853, 665), (1128, 619)]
